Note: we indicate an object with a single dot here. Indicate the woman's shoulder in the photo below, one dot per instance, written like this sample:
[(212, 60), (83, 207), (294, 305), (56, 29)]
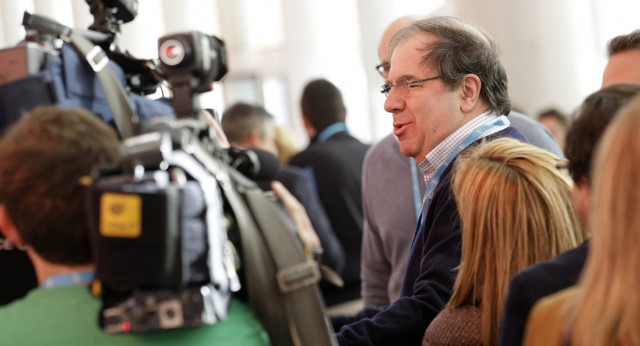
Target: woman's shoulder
[(459, 326), (546, 324)]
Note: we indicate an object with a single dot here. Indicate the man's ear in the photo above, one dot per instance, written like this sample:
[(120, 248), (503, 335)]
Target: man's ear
[(8, 228), (471, 85), (254, 140), (311, 131)]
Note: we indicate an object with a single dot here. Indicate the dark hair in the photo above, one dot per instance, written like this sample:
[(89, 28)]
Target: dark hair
[(44, 155), (322, 104), (239, 120), (624, 43), (554, 114), (592, 118), (461, 49)]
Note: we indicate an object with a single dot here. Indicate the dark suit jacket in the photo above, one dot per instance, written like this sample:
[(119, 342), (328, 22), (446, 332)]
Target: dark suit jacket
[(300, 186), (534, 283), (336, 165)]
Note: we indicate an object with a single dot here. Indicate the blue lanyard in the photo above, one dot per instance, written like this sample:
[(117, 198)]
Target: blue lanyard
[(472, 137), (415, 183), (74, 278), (330, 131)]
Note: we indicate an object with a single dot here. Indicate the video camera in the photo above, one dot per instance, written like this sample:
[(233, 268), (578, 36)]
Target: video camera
[(175, 228)]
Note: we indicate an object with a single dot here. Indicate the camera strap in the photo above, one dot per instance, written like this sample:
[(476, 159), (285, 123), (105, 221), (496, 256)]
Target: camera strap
[(125, 118)]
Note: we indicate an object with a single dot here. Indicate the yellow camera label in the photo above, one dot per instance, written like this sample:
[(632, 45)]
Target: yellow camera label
[(120, 215)]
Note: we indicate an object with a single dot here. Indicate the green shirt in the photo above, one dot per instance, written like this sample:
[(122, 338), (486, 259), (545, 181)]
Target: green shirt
[(68, 315)]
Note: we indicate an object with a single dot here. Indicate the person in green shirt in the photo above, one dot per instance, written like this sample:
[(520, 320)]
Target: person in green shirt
[(44, 157)]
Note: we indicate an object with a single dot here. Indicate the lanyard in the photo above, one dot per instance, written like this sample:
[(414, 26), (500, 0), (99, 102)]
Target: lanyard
[(330, 131), (415, 183), (472, 137), (74, 278)]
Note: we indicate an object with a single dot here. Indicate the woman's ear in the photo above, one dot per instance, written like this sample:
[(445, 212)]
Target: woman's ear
[(471, 86), (8, 228)]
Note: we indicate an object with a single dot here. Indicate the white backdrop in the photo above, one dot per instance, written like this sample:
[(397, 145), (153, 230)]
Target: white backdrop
[(554, 51)]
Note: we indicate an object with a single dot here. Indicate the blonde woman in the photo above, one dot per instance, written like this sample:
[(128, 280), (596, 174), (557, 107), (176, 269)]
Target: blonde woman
[(516, 209), (604, 309)]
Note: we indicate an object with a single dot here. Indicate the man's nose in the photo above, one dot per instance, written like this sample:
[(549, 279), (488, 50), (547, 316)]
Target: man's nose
[(393, 102)]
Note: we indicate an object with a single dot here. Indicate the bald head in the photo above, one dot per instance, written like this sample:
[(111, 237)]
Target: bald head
[(383, 46)]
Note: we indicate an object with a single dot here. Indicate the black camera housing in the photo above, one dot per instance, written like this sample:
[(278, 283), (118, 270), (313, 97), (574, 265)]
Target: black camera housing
[(191, 62)]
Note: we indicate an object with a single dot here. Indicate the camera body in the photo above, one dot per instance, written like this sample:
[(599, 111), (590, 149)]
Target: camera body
[(159, 233)]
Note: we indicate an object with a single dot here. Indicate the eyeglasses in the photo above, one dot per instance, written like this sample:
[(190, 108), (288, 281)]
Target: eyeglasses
[(404, 86), (383, 69)]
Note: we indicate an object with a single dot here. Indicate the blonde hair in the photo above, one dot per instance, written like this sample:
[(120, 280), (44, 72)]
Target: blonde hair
[(286, 144), (606, 308), (516, 209)]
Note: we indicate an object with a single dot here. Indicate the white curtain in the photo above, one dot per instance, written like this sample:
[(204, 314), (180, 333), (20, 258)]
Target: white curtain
[(554, 50)]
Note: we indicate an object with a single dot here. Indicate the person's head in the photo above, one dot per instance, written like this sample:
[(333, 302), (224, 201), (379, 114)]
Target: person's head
[(321, 105), (556, 123), (249, 126), (515, 204), (44, 157), (383, 45), (605, 312), (624, 60), (444, 72), (591, 119)]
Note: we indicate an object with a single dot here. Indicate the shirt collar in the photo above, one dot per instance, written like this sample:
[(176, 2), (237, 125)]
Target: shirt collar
[(437, 157)]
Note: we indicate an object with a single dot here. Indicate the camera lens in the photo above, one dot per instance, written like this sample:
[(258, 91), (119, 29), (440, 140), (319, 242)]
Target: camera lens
[(173, 52)]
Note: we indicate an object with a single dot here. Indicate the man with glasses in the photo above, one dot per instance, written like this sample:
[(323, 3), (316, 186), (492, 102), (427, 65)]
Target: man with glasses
[(446, 90), (387, 232)]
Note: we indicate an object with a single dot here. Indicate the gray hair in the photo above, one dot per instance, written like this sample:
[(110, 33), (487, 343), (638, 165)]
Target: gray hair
[(462, 48), (239, 120)]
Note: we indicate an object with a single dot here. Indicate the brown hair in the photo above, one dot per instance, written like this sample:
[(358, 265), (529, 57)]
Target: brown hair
[(43, 157), (592, 118), (624, 43)]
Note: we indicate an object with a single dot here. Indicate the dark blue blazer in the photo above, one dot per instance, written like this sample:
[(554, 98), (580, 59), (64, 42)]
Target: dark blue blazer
[(336, 165), (300, 186), (534, 283)]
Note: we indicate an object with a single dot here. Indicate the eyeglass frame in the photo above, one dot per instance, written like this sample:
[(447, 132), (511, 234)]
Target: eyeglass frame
[(382, 68), (386, 87)]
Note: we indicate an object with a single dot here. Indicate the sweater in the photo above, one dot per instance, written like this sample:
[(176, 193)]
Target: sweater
[(429, 279)]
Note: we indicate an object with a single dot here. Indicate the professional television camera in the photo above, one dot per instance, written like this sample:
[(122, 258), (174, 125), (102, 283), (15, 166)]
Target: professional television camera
[(175, 228)]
